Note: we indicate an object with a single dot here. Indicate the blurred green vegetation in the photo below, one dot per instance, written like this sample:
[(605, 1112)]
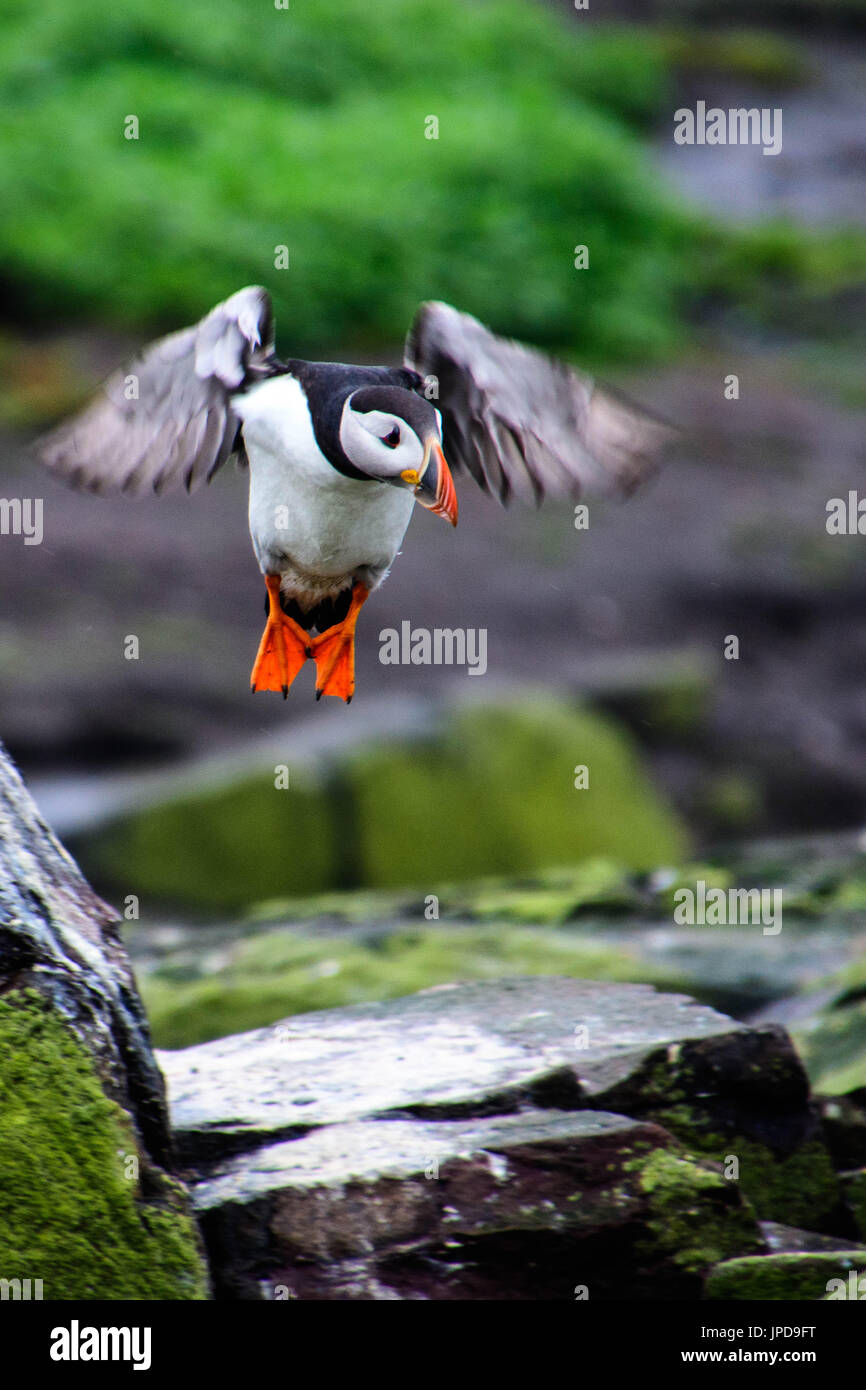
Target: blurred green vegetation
[(305, 127)]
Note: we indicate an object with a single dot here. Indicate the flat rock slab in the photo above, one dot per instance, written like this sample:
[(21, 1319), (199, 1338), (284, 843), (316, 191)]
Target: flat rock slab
[(348, 1189), (512, 1206), (452, 1052)]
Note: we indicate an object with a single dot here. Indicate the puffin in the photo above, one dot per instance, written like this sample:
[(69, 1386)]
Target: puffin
[(340, 455)]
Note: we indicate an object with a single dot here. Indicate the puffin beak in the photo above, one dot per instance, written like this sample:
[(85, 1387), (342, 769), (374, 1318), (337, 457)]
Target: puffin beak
[(435, 486)]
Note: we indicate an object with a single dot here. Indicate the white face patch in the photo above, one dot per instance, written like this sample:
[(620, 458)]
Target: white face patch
[(380, 424), (382, 445)]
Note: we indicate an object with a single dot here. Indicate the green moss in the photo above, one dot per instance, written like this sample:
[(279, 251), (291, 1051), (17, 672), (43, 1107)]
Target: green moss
[(69, 1215), (546, 898), (782, 1277), (801, 1189), (278, 973), (695, 1218), (356, 906), (550, 897)]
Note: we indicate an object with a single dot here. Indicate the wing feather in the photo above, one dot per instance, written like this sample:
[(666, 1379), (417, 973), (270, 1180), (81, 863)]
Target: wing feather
[(179, 428), (526, 425)]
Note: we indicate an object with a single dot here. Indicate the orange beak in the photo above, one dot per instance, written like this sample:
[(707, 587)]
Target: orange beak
[(435, 489)]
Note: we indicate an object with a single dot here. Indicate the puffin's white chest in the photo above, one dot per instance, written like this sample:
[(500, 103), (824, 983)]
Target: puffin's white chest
[(307, 521)]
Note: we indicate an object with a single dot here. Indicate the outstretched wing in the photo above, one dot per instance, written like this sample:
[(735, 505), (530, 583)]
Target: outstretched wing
[(526, 424), (166, 417)]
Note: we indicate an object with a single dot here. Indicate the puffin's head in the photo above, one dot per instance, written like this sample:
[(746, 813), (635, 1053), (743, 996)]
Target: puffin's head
[(394, 435)]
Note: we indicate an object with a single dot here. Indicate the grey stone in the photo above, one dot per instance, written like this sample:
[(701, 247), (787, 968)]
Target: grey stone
[(459, 1143), (381, 1209), (443, 1053)]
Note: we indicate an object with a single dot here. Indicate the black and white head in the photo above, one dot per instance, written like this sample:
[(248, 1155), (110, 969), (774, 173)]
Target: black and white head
[(394, 435)]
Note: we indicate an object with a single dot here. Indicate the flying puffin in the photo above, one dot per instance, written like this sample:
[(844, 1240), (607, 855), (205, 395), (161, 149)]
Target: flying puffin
[(338, 455)]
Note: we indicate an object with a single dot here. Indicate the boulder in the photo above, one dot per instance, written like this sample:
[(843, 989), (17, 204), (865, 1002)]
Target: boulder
[(91, 1208), (524, 1138)]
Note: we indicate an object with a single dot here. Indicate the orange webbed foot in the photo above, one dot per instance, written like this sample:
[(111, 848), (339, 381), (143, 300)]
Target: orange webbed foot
[(334, 652), (284, 647)]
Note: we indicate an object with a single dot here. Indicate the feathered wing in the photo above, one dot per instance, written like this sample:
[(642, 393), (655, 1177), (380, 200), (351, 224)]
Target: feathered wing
[(524, 424), (165, 419)]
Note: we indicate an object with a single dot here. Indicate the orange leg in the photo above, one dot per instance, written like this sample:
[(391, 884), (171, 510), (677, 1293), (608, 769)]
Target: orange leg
[(284, 646), (334, 652)]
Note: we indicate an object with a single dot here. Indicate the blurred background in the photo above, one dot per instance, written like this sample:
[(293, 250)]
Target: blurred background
[(433, 831)]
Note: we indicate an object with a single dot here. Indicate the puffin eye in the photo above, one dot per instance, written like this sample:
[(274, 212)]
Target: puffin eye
[(393, 438)]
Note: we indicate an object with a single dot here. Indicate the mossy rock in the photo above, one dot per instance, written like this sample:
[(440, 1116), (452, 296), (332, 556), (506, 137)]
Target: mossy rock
[(756, 1085), (82, 1209), (220, 847), (495, 794), (263, 978), (490, 792), (551, 897), (784, 1277), (696, 1216), (799, 1189)]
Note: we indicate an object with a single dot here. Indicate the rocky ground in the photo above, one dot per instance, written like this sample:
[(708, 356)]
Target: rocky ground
[(524, 1139)]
